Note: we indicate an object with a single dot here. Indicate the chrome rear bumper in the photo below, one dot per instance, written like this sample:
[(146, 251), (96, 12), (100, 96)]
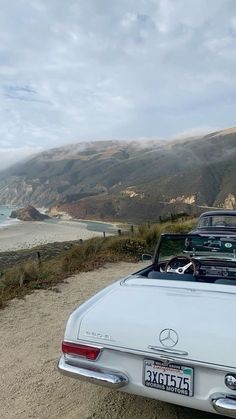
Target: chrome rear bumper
[(225, 404), (93, 374)]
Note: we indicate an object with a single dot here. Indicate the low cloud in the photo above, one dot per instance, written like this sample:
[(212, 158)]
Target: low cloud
[(10, 156), (92, 70)]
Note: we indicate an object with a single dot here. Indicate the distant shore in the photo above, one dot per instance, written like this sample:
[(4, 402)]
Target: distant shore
[(25, 235)]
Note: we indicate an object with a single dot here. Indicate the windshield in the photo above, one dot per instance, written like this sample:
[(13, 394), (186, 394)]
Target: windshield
[(196, 245), (217, 221)]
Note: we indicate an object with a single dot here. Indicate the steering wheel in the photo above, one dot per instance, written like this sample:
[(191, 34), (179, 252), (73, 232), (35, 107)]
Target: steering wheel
[(186, 263)]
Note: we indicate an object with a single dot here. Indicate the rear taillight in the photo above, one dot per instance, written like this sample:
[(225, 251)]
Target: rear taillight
[(88, 352)]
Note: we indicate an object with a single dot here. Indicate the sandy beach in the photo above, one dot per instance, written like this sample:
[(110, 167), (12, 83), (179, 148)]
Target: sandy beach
[(25, 235), (31, 333)]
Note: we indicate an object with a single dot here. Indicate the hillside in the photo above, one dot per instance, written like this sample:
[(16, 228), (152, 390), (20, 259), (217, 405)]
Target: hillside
[(128, 180)]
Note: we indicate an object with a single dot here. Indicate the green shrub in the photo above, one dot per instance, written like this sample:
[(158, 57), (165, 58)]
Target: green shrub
[(128, 246), (177, 227)]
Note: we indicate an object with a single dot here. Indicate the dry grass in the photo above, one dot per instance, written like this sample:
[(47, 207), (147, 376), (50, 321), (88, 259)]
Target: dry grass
[(93, 253)]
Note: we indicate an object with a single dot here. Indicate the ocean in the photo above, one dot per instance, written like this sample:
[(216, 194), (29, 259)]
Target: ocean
[(5, 220)]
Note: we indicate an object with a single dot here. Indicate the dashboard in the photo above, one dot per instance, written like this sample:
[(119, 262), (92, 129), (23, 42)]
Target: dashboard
[(216, 271)]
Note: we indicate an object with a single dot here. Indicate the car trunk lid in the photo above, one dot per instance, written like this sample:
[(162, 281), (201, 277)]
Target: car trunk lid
[(135, 313)]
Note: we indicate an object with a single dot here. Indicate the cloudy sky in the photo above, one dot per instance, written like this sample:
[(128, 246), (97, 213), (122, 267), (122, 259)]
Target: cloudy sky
[(78, 70)]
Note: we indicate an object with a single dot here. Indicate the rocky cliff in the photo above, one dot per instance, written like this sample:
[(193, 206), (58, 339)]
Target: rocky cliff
[(28, 213)]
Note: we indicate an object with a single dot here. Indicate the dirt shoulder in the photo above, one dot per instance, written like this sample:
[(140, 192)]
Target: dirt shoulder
[(31, 331)]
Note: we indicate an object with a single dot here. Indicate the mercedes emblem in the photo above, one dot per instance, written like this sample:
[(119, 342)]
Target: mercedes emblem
[(168, 337)]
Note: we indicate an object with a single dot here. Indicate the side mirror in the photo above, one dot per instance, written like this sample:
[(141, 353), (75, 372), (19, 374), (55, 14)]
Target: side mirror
[(146, 257)]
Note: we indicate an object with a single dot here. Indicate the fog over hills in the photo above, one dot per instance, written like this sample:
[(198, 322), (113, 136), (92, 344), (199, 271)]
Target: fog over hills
[(128, 180)]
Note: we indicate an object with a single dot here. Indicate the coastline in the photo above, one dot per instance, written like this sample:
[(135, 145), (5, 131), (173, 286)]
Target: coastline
[(27, 234), (111, 226), (115, 224)]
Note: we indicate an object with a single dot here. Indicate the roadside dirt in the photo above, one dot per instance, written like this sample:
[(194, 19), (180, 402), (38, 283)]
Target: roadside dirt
[(31, 331)]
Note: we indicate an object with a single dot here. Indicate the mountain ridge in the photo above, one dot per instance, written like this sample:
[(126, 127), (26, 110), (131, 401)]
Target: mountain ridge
[(127, 180)]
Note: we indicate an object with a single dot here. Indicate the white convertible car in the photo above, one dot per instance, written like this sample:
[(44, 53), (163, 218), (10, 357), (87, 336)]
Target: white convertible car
[(168, 331)]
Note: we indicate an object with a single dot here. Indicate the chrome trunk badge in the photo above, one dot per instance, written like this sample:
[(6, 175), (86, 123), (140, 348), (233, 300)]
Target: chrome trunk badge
[(168, 338)]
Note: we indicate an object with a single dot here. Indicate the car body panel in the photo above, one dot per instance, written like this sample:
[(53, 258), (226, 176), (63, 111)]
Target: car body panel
[(133, 315), (127, 319)]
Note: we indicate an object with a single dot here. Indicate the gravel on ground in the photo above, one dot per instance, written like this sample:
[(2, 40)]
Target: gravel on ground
[(31, 331)]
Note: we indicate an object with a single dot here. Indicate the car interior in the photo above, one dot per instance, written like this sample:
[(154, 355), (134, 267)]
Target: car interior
[(194, 258)]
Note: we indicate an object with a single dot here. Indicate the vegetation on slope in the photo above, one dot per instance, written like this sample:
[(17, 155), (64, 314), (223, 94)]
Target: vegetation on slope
[(23, 278), (122, 180)]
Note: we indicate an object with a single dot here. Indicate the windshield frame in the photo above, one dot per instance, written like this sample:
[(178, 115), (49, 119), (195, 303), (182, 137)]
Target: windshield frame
[(213, 255), (207, 222)]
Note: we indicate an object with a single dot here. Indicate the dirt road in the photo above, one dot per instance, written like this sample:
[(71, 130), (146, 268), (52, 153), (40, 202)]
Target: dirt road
[(31, 331)]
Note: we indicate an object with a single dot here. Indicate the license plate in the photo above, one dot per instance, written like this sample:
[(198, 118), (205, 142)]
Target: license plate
[(177, 379)]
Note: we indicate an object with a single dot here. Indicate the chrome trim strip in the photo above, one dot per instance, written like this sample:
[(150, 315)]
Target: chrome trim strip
[(93, 374), (125, 283), (168, 351), (224, 404), (188, 361)]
